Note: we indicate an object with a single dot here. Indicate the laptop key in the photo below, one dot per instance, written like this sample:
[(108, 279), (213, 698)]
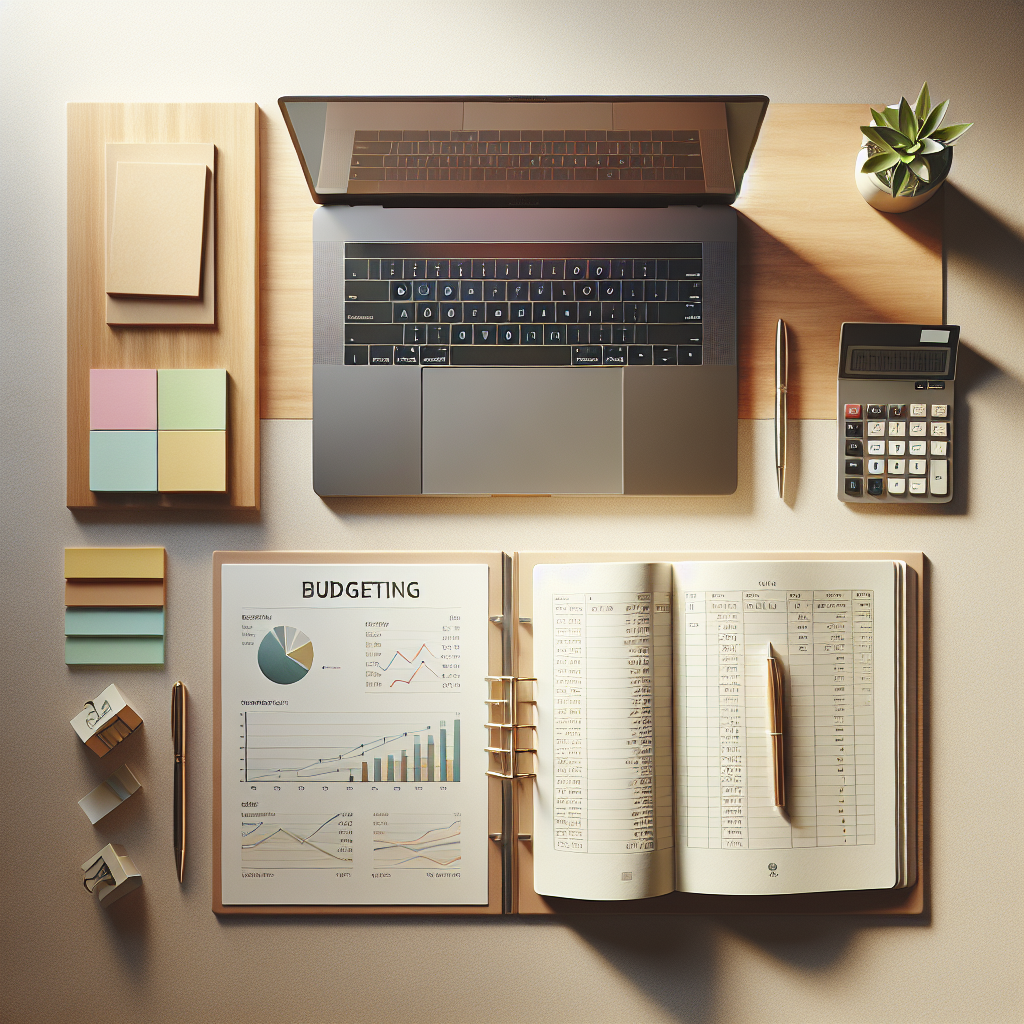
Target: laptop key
[(665, 355), (381, 355), (586, 355), (406, 355), (615, 355), (356, 355), (690, 355), (434, 355), (368, 312), (641, 355)]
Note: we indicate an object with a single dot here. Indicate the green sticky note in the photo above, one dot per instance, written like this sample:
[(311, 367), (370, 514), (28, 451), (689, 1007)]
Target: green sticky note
[(114, 621), (113, 650), (122, 460), (192, 399)]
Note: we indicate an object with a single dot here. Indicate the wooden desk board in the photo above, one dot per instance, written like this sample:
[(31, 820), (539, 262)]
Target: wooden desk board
[(231, 344), (811, 251)]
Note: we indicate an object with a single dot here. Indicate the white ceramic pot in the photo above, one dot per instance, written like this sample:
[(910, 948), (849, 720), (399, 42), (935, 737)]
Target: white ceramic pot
[(878, 196)]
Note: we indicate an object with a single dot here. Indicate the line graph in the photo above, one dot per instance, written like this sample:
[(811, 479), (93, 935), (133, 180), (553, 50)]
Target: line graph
[(413, 650), (324, 747), (416, 842), (296, 842)]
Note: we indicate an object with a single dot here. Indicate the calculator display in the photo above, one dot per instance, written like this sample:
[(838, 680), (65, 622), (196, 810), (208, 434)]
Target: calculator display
[(888, 362)]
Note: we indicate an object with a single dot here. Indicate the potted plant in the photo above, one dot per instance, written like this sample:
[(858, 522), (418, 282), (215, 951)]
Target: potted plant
[(906, 154)]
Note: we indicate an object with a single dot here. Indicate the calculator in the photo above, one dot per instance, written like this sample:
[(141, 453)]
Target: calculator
[(895, 413)]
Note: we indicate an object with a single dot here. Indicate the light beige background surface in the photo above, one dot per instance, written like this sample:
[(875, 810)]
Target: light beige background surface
[(160, 955)]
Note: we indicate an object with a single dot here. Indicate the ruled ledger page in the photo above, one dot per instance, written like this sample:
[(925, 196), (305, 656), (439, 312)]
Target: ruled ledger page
[(603, 660), (832, 627)]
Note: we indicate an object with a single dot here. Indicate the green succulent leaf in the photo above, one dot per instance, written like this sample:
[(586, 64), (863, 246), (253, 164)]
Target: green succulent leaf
[(877, 117), (951, 132), (899, 178), (881, 162), (934, 119), (892, 117), (923, 104), (929, 146), (873, 134), (921, 169), (907, 158), (893, 138), (908, 121)]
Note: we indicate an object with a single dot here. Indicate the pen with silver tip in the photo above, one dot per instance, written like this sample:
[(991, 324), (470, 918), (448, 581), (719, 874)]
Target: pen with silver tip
[(179, 730), (781, 401)]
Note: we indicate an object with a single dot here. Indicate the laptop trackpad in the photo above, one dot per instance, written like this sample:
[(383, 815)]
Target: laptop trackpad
[(522, 430)]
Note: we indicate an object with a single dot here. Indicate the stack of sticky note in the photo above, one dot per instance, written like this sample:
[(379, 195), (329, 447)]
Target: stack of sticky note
[(158, 430), (114, 606)]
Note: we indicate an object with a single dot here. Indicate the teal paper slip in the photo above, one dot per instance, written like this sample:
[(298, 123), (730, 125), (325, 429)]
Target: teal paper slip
[(113, 650), (114, 622)]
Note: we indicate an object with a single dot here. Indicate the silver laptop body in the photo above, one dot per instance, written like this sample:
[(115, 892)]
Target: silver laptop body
[(486, 418)]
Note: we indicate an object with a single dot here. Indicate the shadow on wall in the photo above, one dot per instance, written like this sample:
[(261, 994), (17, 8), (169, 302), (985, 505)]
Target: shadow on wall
[(979, 239), (676, 962)]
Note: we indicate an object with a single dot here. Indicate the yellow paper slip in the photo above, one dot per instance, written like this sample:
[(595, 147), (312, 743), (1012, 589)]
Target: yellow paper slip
[(114, 563)]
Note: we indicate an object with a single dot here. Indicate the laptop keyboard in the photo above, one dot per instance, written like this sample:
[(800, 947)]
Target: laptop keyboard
[(523, 304), (551, 155)]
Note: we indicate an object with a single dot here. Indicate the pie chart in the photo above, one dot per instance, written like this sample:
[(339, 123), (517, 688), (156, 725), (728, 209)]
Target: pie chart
[(285, 655)]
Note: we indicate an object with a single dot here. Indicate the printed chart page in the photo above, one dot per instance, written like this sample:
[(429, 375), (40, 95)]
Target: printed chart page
[(603, 660), (832, 628), (353, 769)]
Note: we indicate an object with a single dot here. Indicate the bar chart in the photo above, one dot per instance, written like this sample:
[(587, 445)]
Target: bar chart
[(325, 747)]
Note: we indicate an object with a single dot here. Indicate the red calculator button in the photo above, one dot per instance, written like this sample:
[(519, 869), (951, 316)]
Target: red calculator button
[(853, 412)]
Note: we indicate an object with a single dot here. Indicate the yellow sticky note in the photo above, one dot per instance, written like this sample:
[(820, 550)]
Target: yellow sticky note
[(114, 563), (192, 460)]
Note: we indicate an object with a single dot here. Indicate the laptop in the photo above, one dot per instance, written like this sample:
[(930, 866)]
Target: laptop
[(524, 295)]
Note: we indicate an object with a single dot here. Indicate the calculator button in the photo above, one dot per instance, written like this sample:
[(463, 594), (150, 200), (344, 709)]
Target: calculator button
[(919, 411), (920, 385), (939, 412), (853, 485), (853, 412), (897, 412), (875, 429), (875, 411), (896, 485), (917, 467), (918, 447), (916, 486), (876, 447), (937, 385), (897, 428), (939, 448), (918, 429), (939, 429), (897, 447), (855, 448), (937, 477), (875, 486), (856, 466), (876, 465), (854, 429), (897, 467)]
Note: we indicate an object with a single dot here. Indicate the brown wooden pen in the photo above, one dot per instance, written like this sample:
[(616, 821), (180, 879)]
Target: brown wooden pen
[(774, 701)]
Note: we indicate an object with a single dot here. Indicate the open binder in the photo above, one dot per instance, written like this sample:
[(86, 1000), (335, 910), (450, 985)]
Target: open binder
[(514, 746)]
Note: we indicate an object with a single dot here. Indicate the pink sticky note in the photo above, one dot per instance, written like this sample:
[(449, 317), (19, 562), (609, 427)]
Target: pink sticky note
[(122, 399)]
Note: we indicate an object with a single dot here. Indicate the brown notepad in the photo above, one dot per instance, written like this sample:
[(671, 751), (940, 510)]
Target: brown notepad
[(334, 681), (156, 240), (199, 307)]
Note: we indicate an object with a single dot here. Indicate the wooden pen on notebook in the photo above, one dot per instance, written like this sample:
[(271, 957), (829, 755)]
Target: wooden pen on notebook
[(774, 719)]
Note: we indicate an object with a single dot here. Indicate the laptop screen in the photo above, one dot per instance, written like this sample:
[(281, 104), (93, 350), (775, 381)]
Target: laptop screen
[(490, 150)]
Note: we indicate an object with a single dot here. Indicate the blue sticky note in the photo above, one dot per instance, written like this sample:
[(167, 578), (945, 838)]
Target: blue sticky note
[(114, 621), (113, 650), (122, 460)]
